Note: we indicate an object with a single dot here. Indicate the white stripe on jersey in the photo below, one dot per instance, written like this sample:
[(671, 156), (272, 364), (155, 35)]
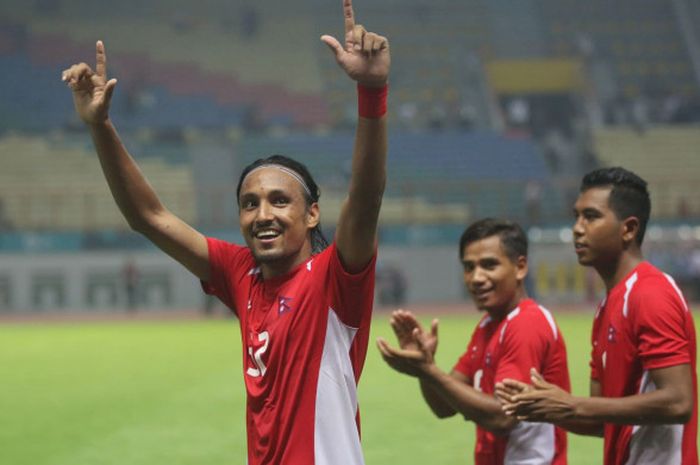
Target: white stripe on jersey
[(510, 316), (336, 439), (655, 444), (600, 307), (550, 320), (485, 321), (530, 444), (678, 291), (629, 284)]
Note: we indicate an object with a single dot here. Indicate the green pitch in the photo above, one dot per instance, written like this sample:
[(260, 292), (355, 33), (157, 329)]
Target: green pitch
[(157, 393)]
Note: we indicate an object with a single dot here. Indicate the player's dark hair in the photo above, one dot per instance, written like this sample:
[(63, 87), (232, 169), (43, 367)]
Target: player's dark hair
[(318, 240), (513, 238), (629, 195)]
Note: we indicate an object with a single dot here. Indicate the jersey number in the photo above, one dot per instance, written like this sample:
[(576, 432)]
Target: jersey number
[(256, 356)]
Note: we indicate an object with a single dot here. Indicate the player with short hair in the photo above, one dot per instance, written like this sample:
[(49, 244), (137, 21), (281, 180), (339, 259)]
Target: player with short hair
[(515, 334), (643, 381), (304, 308)]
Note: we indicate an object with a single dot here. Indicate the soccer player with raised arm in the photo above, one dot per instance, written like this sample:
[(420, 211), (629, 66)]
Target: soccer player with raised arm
[(514, 334), (643, 381), (304, 308)]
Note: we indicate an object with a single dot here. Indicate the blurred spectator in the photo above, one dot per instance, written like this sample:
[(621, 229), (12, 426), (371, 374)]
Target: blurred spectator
[(467, 116), (618, 110), (694, 271), (533, 201), (437, 119), (181, 22), (558, 151), (688, 112), (683, 208), (408, 113), (5, 223), (669, 107), (250, 21), (130, 277), (653, 107), (47, 7), (640, 114), (210, 305), (253, 120), (518, 113), (391, 285)]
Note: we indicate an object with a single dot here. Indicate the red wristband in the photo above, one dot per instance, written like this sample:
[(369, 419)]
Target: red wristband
[(371, 101)]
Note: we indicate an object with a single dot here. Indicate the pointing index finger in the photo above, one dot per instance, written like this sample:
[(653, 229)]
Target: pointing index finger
[(100, 60), (349, 16)]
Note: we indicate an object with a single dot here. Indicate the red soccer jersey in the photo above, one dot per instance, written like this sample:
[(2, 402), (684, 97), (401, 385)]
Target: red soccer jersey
[(305, 338), (526, 338), (644, 324)]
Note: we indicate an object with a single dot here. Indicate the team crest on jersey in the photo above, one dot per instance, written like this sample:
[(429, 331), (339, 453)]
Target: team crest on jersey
[(284, 306), (612, 334)]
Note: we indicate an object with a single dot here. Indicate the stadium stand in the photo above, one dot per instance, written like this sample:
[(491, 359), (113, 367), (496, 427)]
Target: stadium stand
[(445, 148), (637, 54), (436, 178), (453, 168), (50, 184), (667, 157), (160, 86)]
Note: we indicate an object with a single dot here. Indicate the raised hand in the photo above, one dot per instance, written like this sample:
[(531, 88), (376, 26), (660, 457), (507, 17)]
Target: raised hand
[(92, 91), (365, 55)]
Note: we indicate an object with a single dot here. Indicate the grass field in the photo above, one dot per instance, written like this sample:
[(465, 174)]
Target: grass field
[(171, 392)]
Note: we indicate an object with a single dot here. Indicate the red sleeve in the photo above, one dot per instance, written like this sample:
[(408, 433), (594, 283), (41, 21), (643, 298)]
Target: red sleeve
[(659, 317), (229, 263), (352, 294), (524, 343), (465, 365)]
